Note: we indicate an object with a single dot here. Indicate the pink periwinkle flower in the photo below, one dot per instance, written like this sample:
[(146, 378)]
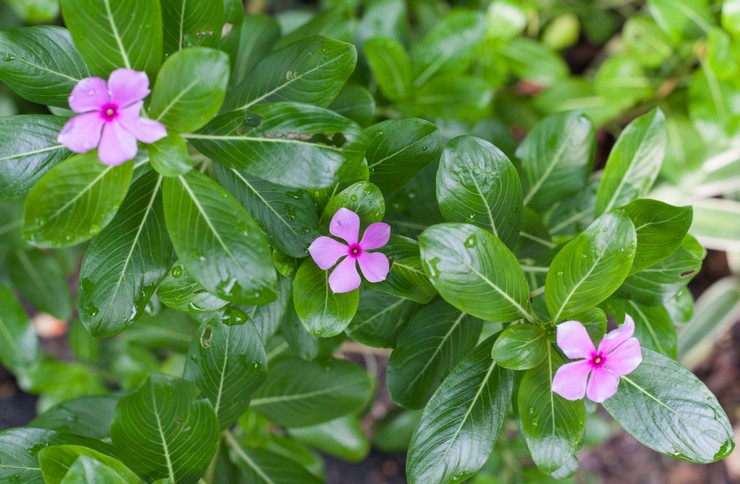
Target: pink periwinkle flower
[(597, 373), (110, 117), (326, 251)]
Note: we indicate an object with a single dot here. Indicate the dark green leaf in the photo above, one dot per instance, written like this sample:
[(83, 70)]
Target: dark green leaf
[(248, 43), (379, 318), (86, 416), (390, 65), (179, 290), (267, 317), (406, 278), (19, 343), (259, 466), (300, 341), (521, 347), (41, 279), (189, 23), (343, 437), (60, 464), (450, 97), (356, 103), (166, 329), (653, 325)]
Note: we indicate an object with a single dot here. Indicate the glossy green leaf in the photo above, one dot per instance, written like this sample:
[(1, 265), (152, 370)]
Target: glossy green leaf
[(287, 216), (59, 463), (125, 263), (551, 425), (311, 71), (731, 17), (187, 23), (169, 156), (322, 312), (521, 347), (220, 244), (667, 408), (475, 272), (86, 416), (334, 23), (633, 163), (298, 393), (166, 329), (74, 200), (557, 157), (41, 280), (190, 88), (28, 149), (266, 317), (379, 318), (249, 42), (356, 103), (112, 35), (41, 64), (660, 229), (303, 343), (431, 344), (390, 64), (363, 198), (179, 290), (227, 363), (86, 470), (457, 97), (290, 144), (19, 343), (477, 184), (343, 437), (591, 267), (161, 430), (681, 19), (653, 325), (462, 421), (406, 277)]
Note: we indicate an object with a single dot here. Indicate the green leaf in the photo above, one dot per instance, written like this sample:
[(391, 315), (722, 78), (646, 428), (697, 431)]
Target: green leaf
[(19, 343), (640, 31), (450, 97), (533, 61), (86, 416), (462, 421), (74, 200), (227, 363), (390, 64), (590, 267), (303, 343), (169, 156), (190, 88), (477, 184), (436, 338), (633, 163), (322, 312), (653, 325), (288, 217), (220, 244), (124, 264), (290, 144), (475, 272), (622, 82), (166, 330), (261, 466), (551, 425), (731, 17), (406, 277), (161, 430), (363, 198), (40, 278), (379, 318), (660, 229), (399, 149), (28, 149), (20, 449), (113, 34), (343, 437), (267, 317), (300, 393), (356, 103), (186, 22), (41, 64), (681, 19), (251, 40), (311, 71), (521, 347), (667, 408), (179, 290), (713, 105), (334, 23), (59, 464), (557, 157)]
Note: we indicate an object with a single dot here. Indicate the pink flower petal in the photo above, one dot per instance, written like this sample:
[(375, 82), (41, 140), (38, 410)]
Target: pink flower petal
[(82, 133), (326, 251), (625, 358), (117, 145), (574, 340), (375, 236), (602, 384), (88, 95), (128, 86), (144, 129), (374, 266), (345, 277), (346, 224), (618, 336), (570, 380)]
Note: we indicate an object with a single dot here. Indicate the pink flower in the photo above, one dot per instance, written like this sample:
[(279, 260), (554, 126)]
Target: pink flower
[(110, 117), (618, 355), (326, 251)]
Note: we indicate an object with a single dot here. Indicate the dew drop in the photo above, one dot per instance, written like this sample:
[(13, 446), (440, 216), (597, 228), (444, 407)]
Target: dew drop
[(176, 272), (471, 241)]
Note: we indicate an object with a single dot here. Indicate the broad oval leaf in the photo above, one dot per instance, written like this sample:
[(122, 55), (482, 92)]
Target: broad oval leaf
[(379, 318), (190, 88), (112, 34), (42, 281), (186, 22), (219, 243), (125, 263), (162, 431), (667, 408), (462, 421), (86, 416), (390, 64), (634, 162), (41, 64), (74, 200), (475, 272), (19, 342), (303, 343), (260, 466), (363, 198), (356, 103), (251, 39), (179, 290), (406, 277), (557, 157), (477, 184), (299, 393), (290, 144), (436, 338), (267, 317), (521, 347), (28, 149), (169, 156), (227, 363), (58, 465), (591, 267), (343, 437)]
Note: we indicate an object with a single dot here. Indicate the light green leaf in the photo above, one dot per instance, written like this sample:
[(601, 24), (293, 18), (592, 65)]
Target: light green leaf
[(681, 19), (41, 279), (169, 156), (61, 464), (521, 347), (86, 416), (19, 343), (343, 437), (390, 64), (191, 23)]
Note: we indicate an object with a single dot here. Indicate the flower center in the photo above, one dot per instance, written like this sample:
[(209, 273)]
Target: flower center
[(109, 112), (598, 360), (354, 250)]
